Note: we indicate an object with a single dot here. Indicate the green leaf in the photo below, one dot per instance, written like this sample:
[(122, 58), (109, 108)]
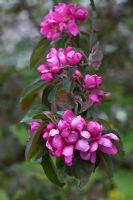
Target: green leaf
[(107, 164), (52, 94), (82, 170), (64, 99), (30, 93), (38, 52), (34, 110), (50, 170), (46, 115), (32, 145)]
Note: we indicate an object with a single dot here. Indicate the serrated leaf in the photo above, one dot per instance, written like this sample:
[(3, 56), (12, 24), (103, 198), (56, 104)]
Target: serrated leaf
[(30, 93), (32, 144), (50, 170), (38, 52), (64, 99)]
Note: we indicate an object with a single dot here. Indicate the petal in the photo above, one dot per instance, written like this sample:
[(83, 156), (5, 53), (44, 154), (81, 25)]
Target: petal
[(109, 150), (111, 136), (93, 157), (105, 142), (85, 155), (54, 132), (85, 134), (93, 146), (72, 28), (68, 150), (68, 160), (82, 145)]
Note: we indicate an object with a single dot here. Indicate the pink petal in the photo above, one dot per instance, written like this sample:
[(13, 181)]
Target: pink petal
[(82, 145), (93, 158), (54, 132), (93, 146), (109, 150), (68, 151), (85, 134), (105, 142), (72, 28), (68, 160), (111, 136), (68, 115)]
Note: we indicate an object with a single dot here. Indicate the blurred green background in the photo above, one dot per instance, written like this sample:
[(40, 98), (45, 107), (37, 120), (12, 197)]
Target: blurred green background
[(19, 30)]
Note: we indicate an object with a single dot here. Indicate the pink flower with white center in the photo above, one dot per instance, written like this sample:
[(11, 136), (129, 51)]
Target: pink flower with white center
[(95, 129), (33, 127), (68, 115), (96, 98), (77, 123), (73, 57), (92, 81), (81, 14), (82, 145), (68, 154)]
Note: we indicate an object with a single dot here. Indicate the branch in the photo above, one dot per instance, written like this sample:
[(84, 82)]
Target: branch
[(94, 23)]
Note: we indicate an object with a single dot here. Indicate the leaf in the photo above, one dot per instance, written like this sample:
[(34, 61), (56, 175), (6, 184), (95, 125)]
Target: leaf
[(46, 115), (34, 110), (32, 145), (105, 123), (38, 52), (50, 170), (82, 170), (52, 94), (107, 164), (96, 56), (64, 99), (45, 95), (30, 93), (85, 106)]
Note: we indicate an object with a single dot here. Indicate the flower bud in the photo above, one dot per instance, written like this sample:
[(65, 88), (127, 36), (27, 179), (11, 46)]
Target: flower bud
[(92, 81), (81, 14)]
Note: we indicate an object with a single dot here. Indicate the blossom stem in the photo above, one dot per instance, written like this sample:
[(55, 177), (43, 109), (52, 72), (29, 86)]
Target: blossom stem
[(94, 23)]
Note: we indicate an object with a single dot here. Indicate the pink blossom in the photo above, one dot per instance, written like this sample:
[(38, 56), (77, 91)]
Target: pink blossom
[(95, 129), (77, 123), (43, 69), (76, 76), (81, 14), (72, 57), (33, 127), (82, 145), (92, 81), (68, 155), (97, 97), (50, 126), (62, 18), (47, 77), (72, 28), (68, 115)]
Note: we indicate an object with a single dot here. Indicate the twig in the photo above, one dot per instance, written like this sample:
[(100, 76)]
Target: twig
[(94, 23)]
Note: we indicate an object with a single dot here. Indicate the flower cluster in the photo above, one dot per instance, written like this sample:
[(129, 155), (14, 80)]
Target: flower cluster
[(92, 84), (56, 60), (73, 133), (63, 17)]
